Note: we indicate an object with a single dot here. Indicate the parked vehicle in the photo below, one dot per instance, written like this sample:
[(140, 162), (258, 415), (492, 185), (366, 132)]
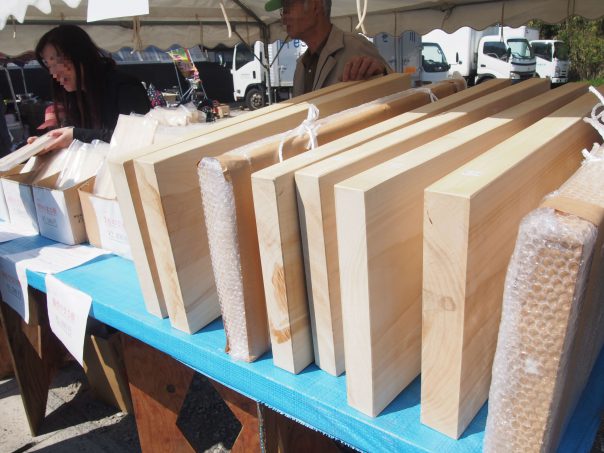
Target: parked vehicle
[(251, 79), (407, 54), (434, 63), (552, 59), (480, 55)]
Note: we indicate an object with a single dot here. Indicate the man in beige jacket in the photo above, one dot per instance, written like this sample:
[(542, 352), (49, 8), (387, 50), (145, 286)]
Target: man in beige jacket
[(332, 55)]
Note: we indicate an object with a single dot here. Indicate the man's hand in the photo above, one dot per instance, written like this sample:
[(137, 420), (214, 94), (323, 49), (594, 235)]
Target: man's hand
[(361, 68), (62, 139)]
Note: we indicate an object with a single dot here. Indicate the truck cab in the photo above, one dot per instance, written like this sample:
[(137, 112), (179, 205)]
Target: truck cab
[(434, 63), (551, 59), (504, 58), (249, 75)]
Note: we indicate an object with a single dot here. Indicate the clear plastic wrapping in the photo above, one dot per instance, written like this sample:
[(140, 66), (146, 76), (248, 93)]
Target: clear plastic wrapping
[(550, 331), (219, 210), (82, 161), (179, 116)]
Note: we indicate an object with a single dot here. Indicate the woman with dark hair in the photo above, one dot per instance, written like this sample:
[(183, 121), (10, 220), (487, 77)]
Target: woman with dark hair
[(88, 90)]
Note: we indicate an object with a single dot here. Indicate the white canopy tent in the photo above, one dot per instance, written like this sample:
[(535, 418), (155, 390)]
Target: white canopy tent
[(192, 22)]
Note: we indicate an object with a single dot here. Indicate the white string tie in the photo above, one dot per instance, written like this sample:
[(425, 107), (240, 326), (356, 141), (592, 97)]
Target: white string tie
[(361, 15), (428, 91), (595, 118), (595, 155), (308, 127), (226, 19)]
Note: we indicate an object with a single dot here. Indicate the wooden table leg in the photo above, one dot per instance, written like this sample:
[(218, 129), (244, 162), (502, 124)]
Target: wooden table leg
[(283, 435), (6, 366), (246, 411), (159, 385), (35, 353)]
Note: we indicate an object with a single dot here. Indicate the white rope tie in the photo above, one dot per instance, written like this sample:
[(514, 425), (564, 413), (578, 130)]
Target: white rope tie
[(428, 91), (596, 118), (226, 19), (136, 34), (361, 15), (308, 127), (592, 156), (597, 122)]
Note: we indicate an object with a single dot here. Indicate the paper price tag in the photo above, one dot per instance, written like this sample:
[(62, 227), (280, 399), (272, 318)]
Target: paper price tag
[(9, 232), (13, 286), (68, 310)]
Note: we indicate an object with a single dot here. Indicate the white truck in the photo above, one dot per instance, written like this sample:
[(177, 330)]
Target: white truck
[(251, 79), (480, 55), (552, 60), (406, 53), (551, 55)]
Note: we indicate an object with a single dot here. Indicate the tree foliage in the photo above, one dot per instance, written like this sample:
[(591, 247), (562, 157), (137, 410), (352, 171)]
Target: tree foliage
[(585, 39)]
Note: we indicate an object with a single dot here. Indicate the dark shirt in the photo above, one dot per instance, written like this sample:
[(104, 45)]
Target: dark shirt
[(310, 62), (123, 95)]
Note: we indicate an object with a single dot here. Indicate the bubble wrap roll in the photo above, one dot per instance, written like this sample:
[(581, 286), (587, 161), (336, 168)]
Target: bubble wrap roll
[(551, 326), (221, 224)]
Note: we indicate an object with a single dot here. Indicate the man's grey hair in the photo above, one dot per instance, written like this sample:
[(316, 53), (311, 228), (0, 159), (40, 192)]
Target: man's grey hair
[(326, 7)]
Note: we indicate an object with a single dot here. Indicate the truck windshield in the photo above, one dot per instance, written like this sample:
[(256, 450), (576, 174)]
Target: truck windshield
[(542, 50), (433, 58), (560, 50), (520, 48)]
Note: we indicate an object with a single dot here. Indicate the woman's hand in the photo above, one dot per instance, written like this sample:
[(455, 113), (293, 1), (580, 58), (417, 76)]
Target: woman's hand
[(31, 139), (62, 139)]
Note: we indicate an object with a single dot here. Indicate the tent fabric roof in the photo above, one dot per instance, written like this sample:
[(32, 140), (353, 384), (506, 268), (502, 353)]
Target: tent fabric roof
[(192, 22)]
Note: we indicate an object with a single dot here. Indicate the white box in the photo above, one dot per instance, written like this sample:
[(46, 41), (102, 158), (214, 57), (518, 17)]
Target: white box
[(4, 214), (59, 212), (20, 202)]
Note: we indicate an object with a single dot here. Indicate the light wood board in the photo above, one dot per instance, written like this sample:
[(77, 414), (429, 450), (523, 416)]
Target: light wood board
[(124, 180), (379, 215), (171, 199), (471, 219), (20, 155), (235, 256), (316, 203), (279, 237)]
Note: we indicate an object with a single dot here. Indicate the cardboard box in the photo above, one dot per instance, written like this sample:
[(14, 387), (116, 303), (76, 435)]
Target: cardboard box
[(19, 201), (104, 222), (59, 212), (4, 214)]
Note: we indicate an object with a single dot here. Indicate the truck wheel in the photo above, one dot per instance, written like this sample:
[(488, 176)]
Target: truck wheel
[(254, 99), (484, 79)]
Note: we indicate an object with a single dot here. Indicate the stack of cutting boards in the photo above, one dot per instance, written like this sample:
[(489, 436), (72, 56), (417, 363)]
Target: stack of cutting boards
[(379, 250)]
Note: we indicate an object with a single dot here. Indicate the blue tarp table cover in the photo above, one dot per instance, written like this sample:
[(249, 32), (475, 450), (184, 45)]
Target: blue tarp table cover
[(313, 397)]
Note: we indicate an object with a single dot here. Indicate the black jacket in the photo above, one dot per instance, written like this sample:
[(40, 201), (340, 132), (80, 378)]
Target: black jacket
[(123, 94)]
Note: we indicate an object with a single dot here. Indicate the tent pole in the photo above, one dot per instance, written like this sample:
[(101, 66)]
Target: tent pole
[(12, 92)]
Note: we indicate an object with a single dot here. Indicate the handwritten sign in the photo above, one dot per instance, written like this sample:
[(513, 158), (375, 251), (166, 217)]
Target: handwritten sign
[(8, 232), (112, 232), (68, 310), (14, 291), (48, 260)]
